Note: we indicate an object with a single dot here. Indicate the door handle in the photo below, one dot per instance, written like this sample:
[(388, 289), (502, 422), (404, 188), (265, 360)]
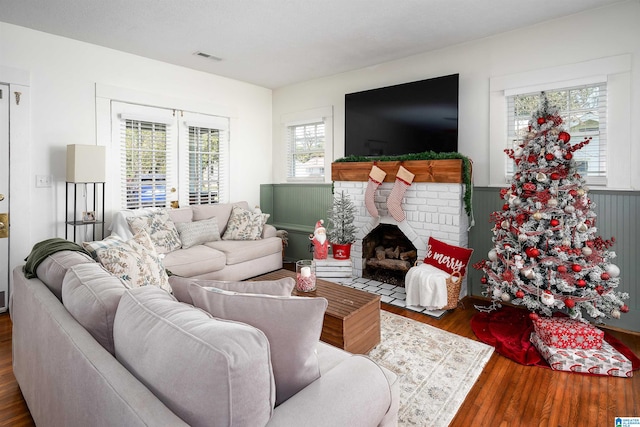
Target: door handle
[(1, 197), (4, 222)]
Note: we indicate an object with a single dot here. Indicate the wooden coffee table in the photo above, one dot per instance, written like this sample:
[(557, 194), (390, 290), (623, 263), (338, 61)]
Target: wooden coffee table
[(352, 319)]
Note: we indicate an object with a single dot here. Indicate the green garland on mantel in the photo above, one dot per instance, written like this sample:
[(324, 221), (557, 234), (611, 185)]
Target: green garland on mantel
[(427, 155)]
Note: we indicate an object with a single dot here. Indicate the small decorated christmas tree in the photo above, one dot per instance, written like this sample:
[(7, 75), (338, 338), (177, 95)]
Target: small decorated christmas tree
[(546, 255)]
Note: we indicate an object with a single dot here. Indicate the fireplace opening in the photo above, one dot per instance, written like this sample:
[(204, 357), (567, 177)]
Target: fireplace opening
[(387, 254)]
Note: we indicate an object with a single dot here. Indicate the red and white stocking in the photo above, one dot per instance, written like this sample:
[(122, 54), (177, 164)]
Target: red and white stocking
[(376, 176), (404, 178)]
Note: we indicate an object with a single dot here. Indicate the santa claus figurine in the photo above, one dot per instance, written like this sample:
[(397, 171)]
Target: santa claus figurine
[(320, 242)]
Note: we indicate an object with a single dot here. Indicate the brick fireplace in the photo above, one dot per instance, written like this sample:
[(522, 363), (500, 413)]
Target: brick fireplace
[(431, 208)]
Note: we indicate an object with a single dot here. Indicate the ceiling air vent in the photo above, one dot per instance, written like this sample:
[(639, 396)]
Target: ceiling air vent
[(206, 55)]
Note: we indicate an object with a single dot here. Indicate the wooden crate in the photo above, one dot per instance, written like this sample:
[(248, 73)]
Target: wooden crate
[(333, 268)]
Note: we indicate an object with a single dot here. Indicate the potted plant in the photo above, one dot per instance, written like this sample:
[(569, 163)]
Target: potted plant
[(340, 230)]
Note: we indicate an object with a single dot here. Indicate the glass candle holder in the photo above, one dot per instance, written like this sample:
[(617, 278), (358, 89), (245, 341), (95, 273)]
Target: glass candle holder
[(305, 275)]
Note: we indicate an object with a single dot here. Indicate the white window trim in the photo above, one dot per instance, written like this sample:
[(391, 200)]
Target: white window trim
[(315, 115), (106, 93), (616, 69)]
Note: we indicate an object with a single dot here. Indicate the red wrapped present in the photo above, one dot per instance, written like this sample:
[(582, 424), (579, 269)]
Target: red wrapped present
[(563, 332), (604, 361)]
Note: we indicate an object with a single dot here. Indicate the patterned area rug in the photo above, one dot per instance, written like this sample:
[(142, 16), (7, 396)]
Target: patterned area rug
[(436, 368)]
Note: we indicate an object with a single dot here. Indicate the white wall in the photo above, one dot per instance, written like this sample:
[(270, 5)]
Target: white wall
[(584, 37), (63, 78)]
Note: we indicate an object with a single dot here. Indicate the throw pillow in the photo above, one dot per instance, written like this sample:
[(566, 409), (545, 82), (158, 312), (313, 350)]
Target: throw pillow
[(107, 242), (281, 287), (198, 232), (245, 225), (160, 228), (136, 262), (209, 372), (447, 257), (292, 326)]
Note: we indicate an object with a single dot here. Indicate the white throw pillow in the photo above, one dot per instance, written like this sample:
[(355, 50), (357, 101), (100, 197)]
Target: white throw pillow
[(160, 228), (292, 326), (198, 232), (136, 262), (245, 225)]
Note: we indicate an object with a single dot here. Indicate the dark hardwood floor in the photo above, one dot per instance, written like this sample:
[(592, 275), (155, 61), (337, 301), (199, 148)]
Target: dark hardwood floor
[(506, 393)]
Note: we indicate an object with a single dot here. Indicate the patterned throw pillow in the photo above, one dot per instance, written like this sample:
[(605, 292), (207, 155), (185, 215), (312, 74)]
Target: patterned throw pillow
[(160, 228), (136, 262), (107, 242), (198, 232), (245, 225), (447, 257)]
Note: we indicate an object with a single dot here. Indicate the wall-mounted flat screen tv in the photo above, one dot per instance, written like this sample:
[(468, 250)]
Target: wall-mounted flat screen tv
[(403, 119)]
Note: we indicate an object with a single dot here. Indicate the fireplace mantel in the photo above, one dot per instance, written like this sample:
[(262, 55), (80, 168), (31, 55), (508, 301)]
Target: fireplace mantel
[(441, 171)]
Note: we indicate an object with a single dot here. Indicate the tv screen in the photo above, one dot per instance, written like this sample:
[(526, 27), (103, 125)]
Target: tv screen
[(403, 119)]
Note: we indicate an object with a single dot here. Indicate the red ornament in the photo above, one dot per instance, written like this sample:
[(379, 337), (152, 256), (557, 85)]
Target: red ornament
[(624, 308), (483, 280), (581, 283), (573, 193), (532, 252), (549, 156), (562, 269), (507, 275), (564, 136), (568, 156), (519, 294), (554, 222), (600, 289), (605, 276), (532, 159), (541, 120), (503, 192), (533, 316), (576, 268), (555, 176), (569, 303)]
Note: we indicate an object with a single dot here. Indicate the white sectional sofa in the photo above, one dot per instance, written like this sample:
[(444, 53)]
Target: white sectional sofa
[(213, 252), (89, 351)]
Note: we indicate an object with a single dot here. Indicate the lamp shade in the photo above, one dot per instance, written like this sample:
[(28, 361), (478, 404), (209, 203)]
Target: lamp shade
[(85, 163)]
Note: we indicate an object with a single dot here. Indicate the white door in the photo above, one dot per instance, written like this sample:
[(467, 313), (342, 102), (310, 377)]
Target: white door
[(4, 196)]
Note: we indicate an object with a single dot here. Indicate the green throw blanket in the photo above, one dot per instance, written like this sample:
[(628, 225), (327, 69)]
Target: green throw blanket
[(42, 250)]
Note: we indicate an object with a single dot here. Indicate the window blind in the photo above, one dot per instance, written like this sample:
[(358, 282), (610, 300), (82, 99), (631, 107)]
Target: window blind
[(584, 112)]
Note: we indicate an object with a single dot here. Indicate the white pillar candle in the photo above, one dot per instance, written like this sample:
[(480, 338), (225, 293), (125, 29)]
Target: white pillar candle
[(305, 272)]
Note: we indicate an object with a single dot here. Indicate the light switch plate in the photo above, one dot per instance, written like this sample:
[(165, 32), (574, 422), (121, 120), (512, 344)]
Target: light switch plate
[(43, 180)]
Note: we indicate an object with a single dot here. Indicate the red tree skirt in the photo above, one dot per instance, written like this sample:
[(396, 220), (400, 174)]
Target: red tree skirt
[(508, 330)]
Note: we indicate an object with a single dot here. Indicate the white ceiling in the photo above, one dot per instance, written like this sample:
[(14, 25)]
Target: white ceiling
[(274, 43)]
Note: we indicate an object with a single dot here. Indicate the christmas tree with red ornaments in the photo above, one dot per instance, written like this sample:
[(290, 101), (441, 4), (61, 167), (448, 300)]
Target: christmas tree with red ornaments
[(546, 255)]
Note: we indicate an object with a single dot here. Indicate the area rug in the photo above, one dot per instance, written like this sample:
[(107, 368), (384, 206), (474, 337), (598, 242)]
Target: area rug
[(436, 368)]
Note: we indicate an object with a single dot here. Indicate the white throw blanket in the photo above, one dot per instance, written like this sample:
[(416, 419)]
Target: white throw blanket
[(426, 286)]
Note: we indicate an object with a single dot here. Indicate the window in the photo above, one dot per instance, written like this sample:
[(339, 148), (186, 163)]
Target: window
[(308, 136), (204, 165), (306, 150), (168, 155), (584, 113)]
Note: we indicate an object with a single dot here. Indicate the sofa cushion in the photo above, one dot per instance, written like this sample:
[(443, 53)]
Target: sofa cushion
[(222, 211), (135, 262), (194, 261), (91, 294), (181, 214), (281, 287), (237, 251), (198, 232), (292, 325), (52, 269), (209, 372), (160, 228), (244, 225), (107, 242)]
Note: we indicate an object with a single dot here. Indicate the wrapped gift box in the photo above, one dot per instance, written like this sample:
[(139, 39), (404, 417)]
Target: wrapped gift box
[(604, 361), (563, 332)]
